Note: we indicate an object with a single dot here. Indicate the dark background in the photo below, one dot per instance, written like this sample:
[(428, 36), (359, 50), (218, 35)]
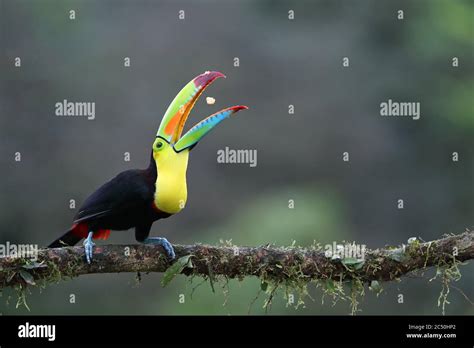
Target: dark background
[(282, 62)]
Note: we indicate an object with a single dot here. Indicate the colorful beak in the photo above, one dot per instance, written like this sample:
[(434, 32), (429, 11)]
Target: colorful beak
[(196, 133), (173, 122)]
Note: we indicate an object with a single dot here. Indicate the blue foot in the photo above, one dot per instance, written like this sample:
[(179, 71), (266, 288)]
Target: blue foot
[(88, 246), (164, 243)]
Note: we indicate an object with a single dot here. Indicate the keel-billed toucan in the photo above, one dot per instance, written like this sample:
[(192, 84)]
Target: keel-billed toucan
[(137, 198)]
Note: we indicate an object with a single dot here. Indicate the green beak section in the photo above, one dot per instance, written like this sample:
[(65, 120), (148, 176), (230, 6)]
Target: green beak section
[(178, 111)]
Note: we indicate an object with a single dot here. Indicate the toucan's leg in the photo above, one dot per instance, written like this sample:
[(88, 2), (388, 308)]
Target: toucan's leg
[(141, 234), (88, 246), (163, 242)]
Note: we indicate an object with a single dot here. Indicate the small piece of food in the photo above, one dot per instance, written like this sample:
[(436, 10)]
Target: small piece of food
[(210, 100)]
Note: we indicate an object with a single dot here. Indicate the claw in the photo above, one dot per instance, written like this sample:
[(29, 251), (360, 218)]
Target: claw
[(88, 247), (164, 243)]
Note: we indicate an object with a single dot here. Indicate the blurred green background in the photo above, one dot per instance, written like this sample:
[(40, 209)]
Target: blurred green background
[(282, 62)]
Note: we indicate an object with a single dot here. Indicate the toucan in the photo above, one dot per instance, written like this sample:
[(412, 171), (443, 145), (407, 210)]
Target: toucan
[(136, 198)]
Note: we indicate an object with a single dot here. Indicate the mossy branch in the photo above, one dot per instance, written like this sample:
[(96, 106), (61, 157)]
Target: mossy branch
[(277, 264)]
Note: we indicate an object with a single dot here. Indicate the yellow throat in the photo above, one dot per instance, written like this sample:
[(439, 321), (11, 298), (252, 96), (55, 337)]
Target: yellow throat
[(170, 187)]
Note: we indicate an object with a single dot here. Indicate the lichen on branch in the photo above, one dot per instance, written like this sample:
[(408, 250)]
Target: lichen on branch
[(275, 266)]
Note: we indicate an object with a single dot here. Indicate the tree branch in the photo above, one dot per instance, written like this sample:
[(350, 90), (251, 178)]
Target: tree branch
[(266, 262)]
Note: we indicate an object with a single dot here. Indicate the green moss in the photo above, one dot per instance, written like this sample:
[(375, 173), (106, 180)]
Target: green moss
[(446, 272), (26, 269), (286, 278), (21, 292)]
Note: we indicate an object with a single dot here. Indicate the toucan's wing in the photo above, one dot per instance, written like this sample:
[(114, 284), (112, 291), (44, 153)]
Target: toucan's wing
[(88, 214), (127, 191)]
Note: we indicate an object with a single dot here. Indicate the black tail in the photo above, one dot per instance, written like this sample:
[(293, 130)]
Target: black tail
[(67, 239)]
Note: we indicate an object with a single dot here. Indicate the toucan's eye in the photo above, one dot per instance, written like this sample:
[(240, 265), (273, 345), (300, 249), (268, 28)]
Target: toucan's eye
[(159, 145)]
